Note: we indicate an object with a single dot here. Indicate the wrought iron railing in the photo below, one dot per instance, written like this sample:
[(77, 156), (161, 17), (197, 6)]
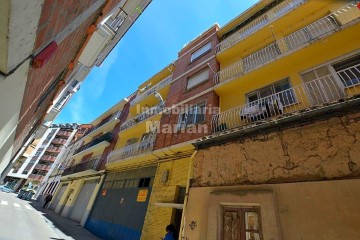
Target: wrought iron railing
[(104, 138), (319, 92), (83, 166), (142, 116), (151, 90), (274, 13), (293, 41), (132, 150)]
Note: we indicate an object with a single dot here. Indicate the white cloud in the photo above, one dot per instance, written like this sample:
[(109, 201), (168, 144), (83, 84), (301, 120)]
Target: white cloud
[(96, 81)]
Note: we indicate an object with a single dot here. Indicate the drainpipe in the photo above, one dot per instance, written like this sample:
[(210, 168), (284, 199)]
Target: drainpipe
[(190, 174)]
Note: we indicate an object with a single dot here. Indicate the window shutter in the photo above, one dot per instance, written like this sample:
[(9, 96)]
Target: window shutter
[(198, 78)]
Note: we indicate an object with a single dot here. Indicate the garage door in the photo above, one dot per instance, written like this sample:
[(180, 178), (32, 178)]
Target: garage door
[(82, 200), (58, 196)]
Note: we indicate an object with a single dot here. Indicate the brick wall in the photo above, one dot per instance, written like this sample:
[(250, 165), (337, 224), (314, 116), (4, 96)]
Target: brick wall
[(56, 15), (157, 218), (178, 92)]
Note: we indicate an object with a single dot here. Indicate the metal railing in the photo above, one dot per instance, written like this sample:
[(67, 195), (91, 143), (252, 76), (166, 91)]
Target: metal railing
[(316, 93), (115, 116), (106, 137), (258, 23), (142, 116), (152, 90), (132, 150), (83, 166), (293, 41)]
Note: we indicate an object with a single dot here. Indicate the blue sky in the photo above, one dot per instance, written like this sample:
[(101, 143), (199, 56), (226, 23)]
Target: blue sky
[(149, 45)]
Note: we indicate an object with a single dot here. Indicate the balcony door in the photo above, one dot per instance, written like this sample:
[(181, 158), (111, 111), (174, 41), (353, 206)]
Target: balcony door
[(321, 86)]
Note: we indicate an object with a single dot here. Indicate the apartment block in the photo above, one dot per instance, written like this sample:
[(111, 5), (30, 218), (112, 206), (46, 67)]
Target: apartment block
[(49, 49), (281, 161), (83, 169), (50, 183), (39, 164)]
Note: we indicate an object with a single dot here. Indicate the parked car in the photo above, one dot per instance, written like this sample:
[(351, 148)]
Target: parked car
[(6, 189)]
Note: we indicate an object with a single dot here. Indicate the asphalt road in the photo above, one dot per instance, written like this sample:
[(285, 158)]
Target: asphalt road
[(20, 221)]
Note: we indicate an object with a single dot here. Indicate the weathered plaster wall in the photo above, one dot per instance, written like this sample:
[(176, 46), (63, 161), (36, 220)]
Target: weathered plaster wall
[(323, 150), (318, 210)]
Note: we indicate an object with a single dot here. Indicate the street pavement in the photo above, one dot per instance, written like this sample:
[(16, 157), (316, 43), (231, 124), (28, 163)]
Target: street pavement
[(20, 219)]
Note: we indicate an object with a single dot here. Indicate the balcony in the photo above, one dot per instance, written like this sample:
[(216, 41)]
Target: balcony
[(48, 158), (143, 116), (307, 97), (53, 149), (59, 141), (270, 16), (63, 133), (36, 177), (293, 42), (42, 167), (152, 90), (132, 150), (114, 118), (103, 140), (83, 166)]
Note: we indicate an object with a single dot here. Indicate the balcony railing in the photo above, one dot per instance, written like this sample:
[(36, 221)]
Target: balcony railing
[(104, 138), (293, 41), (271, 15), (59, 141), (152, 90), (42, 167), (36, 177), (115, 116), (142, 116), (132, 150), (48, 158), (310, 95), (83, 166)]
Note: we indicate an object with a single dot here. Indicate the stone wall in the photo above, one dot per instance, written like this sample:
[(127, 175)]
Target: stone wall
[(327, 149)]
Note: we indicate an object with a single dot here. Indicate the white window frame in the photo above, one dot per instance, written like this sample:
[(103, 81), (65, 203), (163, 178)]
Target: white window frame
[(195, 55)]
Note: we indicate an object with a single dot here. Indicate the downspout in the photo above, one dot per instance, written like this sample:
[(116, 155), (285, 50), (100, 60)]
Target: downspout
[(190, 175)]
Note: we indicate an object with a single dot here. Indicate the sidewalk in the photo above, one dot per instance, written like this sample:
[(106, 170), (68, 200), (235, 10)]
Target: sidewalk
[(65, 228)]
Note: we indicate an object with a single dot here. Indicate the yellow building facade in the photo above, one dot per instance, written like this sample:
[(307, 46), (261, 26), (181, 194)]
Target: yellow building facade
[(279, 163)]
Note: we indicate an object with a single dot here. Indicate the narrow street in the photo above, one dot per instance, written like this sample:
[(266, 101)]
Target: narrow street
[(21, 220)]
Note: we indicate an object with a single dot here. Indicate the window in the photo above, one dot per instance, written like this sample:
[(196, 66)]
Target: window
[(193, 115), (198, 78), (281, 90), (242, 223), (144, 182), (349, 70), (200, 51)]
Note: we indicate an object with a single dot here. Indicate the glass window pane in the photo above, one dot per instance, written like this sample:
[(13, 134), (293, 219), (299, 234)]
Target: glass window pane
[(251, 221), (252, 236), (266, 91)]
